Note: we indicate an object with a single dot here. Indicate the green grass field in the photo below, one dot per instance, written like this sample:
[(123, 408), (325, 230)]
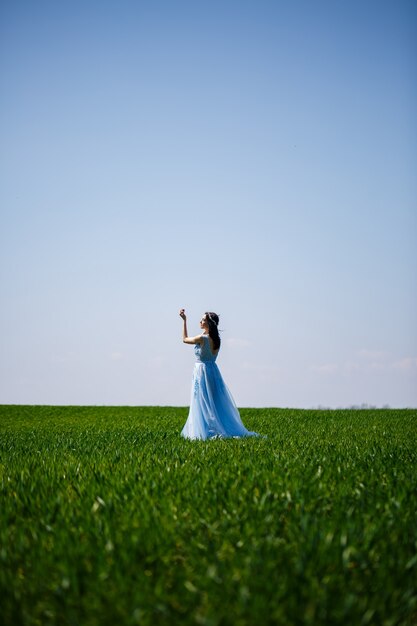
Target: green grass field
[(108, 517)]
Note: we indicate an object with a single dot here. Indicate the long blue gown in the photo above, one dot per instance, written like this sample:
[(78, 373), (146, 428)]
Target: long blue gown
[(213, 412)]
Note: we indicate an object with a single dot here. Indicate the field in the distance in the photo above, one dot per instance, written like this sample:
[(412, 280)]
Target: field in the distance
[(108, 517)]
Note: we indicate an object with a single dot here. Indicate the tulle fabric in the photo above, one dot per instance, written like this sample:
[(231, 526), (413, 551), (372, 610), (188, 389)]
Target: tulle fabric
[(213, 412)]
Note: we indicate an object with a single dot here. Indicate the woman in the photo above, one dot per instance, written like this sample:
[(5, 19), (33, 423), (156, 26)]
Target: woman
[(213, 412)]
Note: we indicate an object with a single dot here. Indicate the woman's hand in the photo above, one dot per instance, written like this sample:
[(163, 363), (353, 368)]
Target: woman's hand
[(183, 315)]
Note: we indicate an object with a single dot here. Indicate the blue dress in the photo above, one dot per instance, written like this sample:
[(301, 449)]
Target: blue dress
[(213, 412)]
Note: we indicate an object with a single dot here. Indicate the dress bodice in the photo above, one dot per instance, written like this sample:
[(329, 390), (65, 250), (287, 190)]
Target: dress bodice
[(203, 351)]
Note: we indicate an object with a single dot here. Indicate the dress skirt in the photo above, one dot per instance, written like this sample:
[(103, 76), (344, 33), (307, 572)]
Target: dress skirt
[(213, 412)]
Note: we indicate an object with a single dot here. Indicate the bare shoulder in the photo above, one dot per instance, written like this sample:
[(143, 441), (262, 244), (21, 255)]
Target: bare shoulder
[(210, 340)]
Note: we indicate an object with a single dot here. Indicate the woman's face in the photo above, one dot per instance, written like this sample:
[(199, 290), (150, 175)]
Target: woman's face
[(203, 323)]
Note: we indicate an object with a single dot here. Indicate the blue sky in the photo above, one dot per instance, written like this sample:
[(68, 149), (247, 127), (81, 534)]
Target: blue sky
[(252, 158)]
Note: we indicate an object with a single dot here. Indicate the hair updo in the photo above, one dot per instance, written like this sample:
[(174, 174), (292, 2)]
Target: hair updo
[(212, 320)]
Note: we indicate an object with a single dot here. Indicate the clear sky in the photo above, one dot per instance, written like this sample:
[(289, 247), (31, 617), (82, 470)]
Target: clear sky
[(253, 158)]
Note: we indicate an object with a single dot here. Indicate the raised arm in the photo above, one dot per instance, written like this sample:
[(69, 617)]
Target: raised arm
[(185, 337)]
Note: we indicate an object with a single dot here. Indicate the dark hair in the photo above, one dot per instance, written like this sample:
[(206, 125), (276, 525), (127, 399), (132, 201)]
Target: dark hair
[(213, 322)]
